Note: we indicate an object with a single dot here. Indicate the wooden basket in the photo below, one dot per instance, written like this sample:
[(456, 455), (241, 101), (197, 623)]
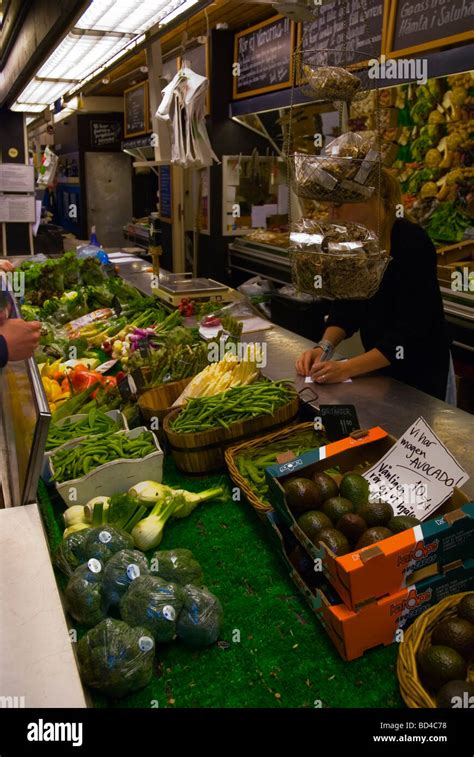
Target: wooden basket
[(232, 453), (204, 452), (157, 402), (418, 637)]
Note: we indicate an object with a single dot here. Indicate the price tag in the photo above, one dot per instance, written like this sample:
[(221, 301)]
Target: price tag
[(339, 420)]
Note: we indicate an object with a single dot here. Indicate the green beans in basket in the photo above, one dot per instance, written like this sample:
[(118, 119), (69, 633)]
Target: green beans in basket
[(96, 422), (237, 404), (80, 460)]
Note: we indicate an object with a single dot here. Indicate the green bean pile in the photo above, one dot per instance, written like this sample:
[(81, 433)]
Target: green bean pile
[(96, 422), (78, 461), (237, 404)]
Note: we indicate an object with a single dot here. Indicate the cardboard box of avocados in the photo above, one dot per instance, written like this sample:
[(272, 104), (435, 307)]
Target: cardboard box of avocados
[(366, 575), (379, 623)]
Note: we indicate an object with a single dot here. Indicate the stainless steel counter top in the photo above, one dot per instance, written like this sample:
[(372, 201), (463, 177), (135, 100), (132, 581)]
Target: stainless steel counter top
[(379, 400)]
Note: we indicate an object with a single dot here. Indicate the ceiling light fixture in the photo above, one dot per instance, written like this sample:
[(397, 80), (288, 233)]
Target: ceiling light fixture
[(105, 32)]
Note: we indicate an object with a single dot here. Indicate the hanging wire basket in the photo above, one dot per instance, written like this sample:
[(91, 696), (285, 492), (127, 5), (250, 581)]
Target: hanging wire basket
[(336, 260), (331, 74), (333, 179)]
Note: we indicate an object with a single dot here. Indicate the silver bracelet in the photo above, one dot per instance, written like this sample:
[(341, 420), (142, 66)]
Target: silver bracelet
[(327, 348)]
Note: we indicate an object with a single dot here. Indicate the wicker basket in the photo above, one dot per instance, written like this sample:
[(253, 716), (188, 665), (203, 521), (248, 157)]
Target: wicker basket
[(417, 638), (157, 402), (232, 453), (203, 452)]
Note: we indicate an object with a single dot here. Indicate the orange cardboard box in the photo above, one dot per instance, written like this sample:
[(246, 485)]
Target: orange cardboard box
[(381, 622), (364, 576)]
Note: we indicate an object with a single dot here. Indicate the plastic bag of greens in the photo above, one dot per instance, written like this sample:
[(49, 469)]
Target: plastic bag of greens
[(84, 597), (122, 568), (200, 620), (104, 541), (178, 565), (70, 553), (154, 604), (116, 659)]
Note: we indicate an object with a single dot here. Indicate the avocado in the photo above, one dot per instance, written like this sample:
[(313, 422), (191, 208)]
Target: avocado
[(372, 536), (302, 495), (312, 522), (455, 693), (456, 633), (466, 608), (439, 664), (376, 513), (355, 488), (326, 484), (402, 523), (352, 526), (336, 541), (336, 507)]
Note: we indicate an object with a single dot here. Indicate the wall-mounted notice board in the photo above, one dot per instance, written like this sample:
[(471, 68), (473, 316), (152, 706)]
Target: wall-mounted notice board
[(419, 25), (136, 110), (264, 54), (359, 28)]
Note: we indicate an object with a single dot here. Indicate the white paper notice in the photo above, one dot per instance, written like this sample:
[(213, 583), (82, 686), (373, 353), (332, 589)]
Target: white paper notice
[(417, 474), (16, 177), (259, 217), (17, 209)]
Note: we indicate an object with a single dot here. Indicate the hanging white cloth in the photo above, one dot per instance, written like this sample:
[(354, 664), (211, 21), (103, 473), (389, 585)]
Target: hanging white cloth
[(183, 108)]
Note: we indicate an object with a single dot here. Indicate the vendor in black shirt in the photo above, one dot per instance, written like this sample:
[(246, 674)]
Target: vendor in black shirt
[(402, 326)]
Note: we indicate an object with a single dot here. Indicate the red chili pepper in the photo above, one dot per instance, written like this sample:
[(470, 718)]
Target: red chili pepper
[(119, 376)]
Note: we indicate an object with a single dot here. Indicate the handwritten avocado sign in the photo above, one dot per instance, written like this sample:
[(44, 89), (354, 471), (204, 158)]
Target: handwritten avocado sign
[(417, 474)]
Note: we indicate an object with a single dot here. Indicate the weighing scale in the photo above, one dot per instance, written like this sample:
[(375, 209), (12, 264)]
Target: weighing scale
[(172, 287)]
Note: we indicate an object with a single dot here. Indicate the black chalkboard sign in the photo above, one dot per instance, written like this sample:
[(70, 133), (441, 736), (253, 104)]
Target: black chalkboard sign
[(136, 110), (166, 204), (263, 57), (106, 135), (354, 26), (417, 25), (339, 420)]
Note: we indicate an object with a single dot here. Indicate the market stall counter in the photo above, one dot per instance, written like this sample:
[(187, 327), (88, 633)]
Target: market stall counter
[(266, 650)]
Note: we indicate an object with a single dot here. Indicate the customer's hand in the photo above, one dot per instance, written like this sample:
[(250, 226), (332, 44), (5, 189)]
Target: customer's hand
[(331, 372), (22, 338), (6, 266), (306, 361)]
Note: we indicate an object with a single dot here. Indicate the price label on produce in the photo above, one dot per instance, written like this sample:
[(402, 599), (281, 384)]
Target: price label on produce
[(339, 420), (417, 474)]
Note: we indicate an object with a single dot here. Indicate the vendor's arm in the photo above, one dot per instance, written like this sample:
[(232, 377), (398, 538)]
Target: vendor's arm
[(309, 358)]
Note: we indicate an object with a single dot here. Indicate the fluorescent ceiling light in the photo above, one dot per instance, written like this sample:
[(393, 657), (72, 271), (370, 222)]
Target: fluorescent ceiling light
[(43, 91), (28, 107), (106, 30), (129, 16), (79, 54)]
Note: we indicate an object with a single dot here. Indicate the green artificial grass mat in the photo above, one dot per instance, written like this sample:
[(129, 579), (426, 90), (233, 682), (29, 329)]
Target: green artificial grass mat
[(272, 650)]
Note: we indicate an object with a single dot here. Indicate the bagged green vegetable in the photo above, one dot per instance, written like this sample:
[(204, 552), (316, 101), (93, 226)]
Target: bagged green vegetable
[(154, 604), (104, 541), (200, 621), (84, 596), (70, 553), (116, 659), (178, 565), (122, 568)]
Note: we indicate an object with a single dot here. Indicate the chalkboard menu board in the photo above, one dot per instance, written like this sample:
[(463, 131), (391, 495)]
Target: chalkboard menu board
[(417, 25), (166, 204), (264, 54), (136, 110), (106, 134), (356, 26)]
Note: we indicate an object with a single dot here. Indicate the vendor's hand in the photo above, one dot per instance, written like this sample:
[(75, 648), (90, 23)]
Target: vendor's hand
[(6, 266), (22, 338), (331, 372), (307, 360)]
